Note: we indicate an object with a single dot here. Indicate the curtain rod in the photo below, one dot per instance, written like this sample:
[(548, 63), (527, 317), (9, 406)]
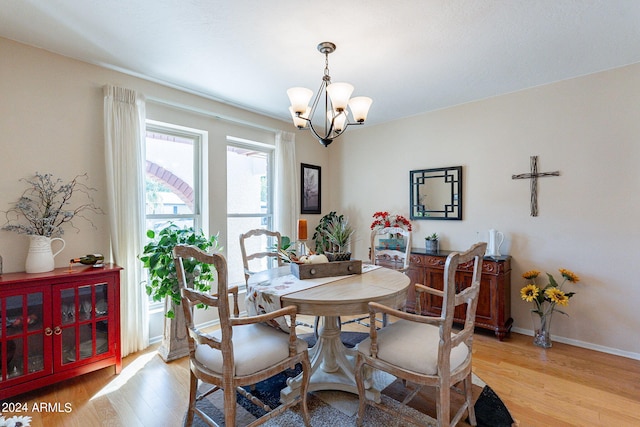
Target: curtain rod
[(207, 113)]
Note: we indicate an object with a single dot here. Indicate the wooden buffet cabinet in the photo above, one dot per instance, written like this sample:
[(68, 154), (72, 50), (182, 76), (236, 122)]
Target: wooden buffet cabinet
[(494, 303), (58, 325)]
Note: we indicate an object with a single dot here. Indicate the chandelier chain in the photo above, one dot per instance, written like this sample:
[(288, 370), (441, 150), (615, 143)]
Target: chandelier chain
[(327, 77)]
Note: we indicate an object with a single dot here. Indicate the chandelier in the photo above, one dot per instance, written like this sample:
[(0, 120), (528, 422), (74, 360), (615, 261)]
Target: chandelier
[(336, 98)]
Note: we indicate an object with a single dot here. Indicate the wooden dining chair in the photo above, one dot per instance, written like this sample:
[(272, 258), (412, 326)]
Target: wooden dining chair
[(396, 258), (390, 256), (242, 352), (425, 350), (254, 246), (259, 239)]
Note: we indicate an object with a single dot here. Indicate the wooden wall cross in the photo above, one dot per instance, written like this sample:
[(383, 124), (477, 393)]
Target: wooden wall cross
[(533, 176)]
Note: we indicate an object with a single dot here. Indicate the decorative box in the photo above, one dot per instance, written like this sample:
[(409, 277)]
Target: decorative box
[(327, 269)]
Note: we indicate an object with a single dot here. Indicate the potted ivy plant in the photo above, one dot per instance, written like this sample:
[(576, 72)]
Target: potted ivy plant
[(162, 283)]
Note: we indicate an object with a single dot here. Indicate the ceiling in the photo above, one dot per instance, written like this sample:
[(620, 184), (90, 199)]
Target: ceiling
[(410, 56)]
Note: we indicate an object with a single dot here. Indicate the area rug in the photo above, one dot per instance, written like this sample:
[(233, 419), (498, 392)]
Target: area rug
[(336, 408)]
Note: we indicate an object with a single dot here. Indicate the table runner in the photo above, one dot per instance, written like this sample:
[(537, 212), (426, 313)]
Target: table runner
[(264, 297)]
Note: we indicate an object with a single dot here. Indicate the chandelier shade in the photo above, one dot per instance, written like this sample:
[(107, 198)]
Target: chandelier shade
[(335, 96), (299, 98), (339, 93), (360, 107), (339, 120), (298, 119)]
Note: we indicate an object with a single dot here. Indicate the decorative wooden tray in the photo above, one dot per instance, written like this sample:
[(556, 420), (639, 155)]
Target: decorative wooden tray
[(327, 269)]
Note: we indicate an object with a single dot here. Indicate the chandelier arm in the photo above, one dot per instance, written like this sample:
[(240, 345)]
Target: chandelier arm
[(316, 99), (313, 130), (323, 89), (347, 124), (327, 134)]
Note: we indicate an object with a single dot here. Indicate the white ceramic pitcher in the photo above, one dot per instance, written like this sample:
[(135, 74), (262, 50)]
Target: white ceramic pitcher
[(40, 255), (495, 240)]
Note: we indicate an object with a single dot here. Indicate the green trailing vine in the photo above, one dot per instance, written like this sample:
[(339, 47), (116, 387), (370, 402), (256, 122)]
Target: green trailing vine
[(157, 258)]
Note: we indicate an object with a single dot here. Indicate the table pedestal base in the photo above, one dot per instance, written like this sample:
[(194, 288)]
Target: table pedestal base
[(332, 364)]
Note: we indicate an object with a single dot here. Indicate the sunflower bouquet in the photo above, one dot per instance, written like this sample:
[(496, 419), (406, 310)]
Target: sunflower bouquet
[(546, 300)]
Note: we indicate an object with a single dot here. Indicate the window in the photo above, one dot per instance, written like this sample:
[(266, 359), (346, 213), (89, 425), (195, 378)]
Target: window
[(173, 176), (249, 198)]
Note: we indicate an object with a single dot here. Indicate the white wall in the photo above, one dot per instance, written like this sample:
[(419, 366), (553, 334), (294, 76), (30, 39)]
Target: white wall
[(587, 128), (51, 121), (51, 118)]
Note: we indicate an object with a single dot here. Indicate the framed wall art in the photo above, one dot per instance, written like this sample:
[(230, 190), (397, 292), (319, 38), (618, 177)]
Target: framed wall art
[(310, 189)]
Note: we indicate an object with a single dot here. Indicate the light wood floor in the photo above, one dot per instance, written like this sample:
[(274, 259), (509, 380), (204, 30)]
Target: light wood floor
[(561, 386)]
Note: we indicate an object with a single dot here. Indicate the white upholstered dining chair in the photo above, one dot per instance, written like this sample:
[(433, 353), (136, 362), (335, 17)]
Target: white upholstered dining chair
[(395, 257), (242, 352), (425, 350)]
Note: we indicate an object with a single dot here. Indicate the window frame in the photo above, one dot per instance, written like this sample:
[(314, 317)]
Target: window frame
[(200, 203), (269, 150)]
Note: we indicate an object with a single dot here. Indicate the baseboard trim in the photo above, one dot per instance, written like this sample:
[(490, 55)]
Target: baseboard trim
[(529, 332), (584, 344)]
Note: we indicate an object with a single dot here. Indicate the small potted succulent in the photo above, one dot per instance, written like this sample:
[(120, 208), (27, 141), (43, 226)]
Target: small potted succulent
[(431, 243)]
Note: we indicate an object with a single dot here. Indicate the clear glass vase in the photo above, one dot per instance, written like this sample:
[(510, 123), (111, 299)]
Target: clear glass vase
[(542, 329)]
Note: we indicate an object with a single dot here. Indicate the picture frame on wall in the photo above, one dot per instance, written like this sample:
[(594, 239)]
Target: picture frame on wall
[(310, 189)]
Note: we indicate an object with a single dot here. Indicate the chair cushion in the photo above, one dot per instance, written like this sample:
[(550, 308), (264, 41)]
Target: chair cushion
[(412, 346), (255, 347)]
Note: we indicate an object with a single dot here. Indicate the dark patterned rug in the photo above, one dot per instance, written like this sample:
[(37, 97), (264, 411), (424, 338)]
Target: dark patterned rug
[(325, 409)]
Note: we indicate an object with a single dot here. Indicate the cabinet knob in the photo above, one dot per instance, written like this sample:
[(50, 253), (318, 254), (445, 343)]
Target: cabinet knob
[(48, 332), (57, 330)]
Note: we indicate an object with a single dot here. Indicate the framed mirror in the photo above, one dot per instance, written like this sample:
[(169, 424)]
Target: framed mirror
[(436, 193)]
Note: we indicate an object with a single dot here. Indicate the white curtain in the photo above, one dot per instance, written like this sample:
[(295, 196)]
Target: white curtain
[(287, 204), (124, 130)]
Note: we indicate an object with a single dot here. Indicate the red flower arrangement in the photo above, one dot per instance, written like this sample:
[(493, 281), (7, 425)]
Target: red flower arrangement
[(384, 220)]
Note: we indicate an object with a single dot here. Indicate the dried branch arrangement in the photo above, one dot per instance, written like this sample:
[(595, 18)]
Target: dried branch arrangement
[(46, 206)]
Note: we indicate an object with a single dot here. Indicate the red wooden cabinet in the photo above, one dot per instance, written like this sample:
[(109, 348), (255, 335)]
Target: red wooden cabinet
[(494, 302), (57, 325)]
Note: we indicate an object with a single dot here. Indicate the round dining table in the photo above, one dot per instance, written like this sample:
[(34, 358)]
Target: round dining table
[(332, 364)]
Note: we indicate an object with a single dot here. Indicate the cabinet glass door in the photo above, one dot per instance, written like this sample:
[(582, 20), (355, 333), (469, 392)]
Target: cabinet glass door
[(101, 313), (83, 314), (23, 339)]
